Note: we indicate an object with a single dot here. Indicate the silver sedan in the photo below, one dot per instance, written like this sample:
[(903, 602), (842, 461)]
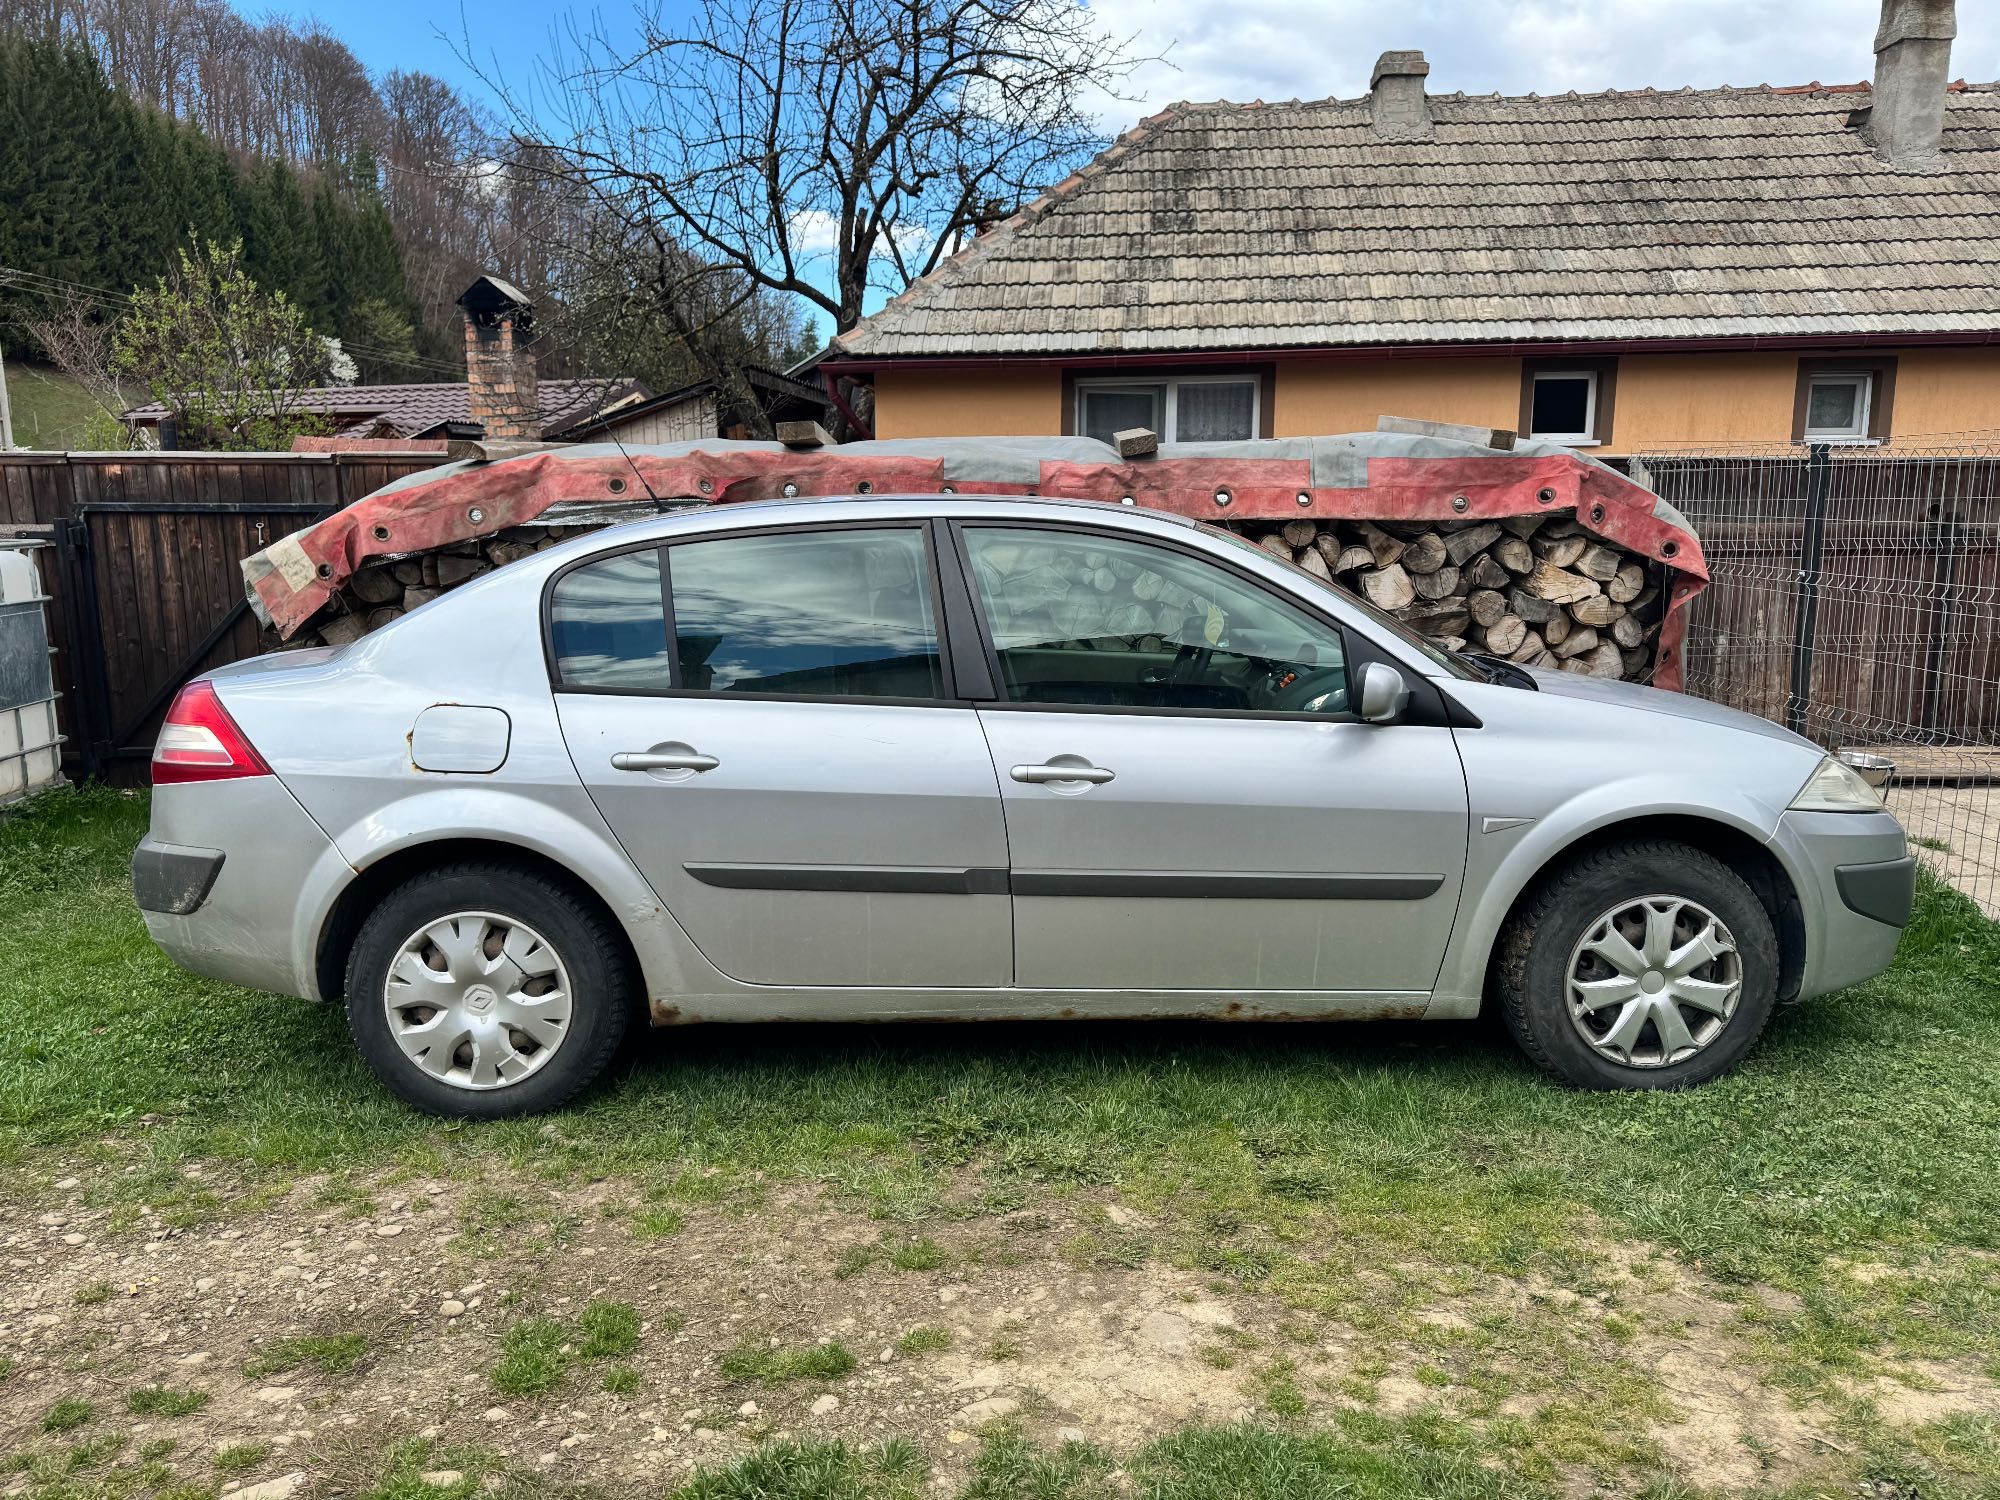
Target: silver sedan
[(902, 759)]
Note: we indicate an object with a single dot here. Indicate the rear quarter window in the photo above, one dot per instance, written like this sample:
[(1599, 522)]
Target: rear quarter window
[(608, 624)]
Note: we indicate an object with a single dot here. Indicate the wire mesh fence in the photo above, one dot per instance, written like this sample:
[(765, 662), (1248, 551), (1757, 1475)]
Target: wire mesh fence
[(1855, 598)]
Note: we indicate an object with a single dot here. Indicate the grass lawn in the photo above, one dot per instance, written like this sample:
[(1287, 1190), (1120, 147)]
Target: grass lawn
[(1842, 1191), (50, 410)]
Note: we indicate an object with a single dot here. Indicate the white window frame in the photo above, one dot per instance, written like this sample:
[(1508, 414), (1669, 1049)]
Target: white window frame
[(1588, 438), (1864, 408), (1170, 415)]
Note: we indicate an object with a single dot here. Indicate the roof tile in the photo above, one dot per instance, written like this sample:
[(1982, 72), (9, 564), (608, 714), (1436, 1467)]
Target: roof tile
[(1595, 216)]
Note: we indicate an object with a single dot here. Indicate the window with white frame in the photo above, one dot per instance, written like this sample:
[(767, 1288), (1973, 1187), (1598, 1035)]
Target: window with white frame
[(1837, 405), (1562, 407), (1186, 409)]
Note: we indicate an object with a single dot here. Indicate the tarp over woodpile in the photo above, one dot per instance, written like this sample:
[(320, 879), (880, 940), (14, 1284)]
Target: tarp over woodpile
[(1356, 476)]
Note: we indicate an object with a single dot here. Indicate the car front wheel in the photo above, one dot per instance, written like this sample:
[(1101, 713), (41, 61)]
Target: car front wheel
[(484, 992), (1648, 965)]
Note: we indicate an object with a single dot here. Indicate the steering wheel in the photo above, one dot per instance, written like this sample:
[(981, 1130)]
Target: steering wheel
[(1320, 690)]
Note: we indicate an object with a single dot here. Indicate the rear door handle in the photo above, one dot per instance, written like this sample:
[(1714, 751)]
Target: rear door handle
[(663, 760), (1095, 775)]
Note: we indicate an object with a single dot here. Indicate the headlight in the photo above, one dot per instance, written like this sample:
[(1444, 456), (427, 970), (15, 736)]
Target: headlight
[(1834, 787)]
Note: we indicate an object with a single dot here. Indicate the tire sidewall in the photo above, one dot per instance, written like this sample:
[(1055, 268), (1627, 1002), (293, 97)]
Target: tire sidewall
[(596, 982), (1628, 875)]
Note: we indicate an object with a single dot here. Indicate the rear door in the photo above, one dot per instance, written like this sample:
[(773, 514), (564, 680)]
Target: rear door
[(1189, 802), (766, 721)]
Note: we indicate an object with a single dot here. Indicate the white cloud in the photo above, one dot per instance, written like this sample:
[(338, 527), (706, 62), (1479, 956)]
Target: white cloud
[(1313, 49), (814, 232)]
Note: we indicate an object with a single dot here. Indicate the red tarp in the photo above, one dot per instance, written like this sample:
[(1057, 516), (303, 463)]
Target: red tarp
[(1404, 479)]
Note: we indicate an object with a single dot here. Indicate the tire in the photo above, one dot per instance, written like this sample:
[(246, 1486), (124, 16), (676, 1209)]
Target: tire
[(1607, 894), (541, 945)]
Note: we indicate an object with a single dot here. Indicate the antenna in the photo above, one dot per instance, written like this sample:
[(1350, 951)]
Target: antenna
[(658, 503)]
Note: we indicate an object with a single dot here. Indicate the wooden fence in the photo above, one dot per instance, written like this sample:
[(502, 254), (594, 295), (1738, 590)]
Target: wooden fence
[(144, 571), (1855, 596)]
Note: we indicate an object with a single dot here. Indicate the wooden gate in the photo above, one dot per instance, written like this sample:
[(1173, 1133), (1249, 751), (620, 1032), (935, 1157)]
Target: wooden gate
[(145, 578)]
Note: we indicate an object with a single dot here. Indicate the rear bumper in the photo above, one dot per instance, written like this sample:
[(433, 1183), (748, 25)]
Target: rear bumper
[(1856, 881), (231, 881), (172, 878)]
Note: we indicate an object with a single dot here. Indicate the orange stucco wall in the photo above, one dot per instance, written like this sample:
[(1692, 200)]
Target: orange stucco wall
[(995, 403), (1348, 395), (1660, 399), (1947, 390)]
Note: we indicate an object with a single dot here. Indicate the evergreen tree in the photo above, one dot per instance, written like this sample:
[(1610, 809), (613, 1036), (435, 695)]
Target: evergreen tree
[(102, 192)]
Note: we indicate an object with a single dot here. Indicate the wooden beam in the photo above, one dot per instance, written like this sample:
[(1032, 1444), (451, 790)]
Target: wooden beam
[(1502, 438)]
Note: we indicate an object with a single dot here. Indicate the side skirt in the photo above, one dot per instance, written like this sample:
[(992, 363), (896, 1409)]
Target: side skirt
[(860, 1004)]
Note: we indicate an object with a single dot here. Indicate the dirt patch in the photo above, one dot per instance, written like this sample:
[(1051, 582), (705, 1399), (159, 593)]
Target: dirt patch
[(1922, 1391), (973, 1322)]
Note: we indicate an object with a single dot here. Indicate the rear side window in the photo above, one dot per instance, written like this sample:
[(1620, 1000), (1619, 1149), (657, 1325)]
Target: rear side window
[(608, 622), (825, 614)]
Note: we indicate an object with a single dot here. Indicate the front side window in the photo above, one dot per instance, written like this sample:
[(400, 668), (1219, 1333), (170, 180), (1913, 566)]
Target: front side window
[(1078, 619), (824, 614), (1564, 406), (608, 624), (1197, 409), (1837, 407)]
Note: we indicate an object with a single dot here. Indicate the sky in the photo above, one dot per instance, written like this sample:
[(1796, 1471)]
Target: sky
[(1303, 49)]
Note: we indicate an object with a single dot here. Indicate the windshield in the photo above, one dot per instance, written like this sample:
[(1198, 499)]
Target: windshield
[(1456, 666)]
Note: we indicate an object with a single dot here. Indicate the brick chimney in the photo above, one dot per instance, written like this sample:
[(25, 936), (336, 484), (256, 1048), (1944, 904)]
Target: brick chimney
[(1912, 67), (500, 361), (1396, 102)]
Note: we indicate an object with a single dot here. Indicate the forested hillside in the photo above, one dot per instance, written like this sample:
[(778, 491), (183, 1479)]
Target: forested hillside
[(372, 202), (99, 189)]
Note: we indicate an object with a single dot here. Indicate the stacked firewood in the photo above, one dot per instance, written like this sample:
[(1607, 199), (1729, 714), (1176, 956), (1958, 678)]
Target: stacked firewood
[(1534, 589), (383, 588)]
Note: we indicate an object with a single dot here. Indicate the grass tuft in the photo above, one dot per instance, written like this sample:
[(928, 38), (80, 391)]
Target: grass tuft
[(159, 1401), (67, 1415), (329, 1354), (760, 1362), (610, 1330), (532, 1361), (924, 1339), (240, 1458)]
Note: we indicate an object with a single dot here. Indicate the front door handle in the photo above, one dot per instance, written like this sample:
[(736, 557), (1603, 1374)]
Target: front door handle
[(1095, 775), (663, 760)]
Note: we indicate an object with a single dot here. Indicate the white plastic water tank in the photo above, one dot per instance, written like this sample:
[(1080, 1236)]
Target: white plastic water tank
[(30, 748)]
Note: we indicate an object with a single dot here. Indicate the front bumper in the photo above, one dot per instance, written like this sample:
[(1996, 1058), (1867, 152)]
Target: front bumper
[(1856, 881)]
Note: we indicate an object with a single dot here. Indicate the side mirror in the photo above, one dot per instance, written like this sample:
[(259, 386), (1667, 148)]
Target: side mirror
[(1384, 693)]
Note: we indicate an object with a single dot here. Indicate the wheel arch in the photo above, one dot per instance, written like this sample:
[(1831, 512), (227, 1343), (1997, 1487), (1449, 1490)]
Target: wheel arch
[(399, 867), (1748, 856)]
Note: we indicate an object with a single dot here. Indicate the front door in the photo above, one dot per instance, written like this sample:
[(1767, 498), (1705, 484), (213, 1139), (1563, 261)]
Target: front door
[(780, 755), (1190, 805)]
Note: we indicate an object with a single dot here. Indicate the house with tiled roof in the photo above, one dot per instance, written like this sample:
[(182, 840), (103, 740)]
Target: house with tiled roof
[(1617, 271), (437, 409), (502, 397)]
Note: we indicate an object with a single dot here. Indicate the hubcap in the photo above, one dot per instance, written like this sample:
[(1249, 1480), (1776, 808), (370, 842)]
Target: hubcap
[(478, 1000), (1654, 981)]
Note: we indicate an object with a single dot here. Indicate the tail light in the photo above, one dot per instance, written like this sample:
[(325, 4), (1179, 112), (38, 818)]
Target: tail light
[(200, 742)]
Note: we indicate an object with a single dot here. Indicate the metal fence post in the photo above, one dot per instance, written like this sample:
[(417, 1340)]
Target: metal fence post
[(1805, 615)]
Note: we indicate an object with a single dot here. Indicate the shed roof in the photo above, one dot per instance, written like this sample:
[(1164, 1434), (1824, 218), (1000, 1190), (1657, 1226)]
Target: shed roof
[(1614, 216), (412, 410)]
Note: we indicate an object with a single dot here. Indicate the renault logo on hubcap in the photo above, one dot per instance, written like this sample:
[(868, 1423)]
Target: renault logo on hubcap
[(479, 998)]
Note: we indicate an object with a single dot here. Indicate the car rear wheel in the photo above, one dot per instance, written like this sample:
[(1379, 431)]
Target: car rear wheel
[(485, 992), (1639, 966)]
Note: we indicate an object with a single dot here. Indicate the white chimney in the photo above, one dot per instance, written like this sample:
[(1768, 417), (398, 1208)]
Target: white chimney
[(1396, 103), (1912, 67)]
